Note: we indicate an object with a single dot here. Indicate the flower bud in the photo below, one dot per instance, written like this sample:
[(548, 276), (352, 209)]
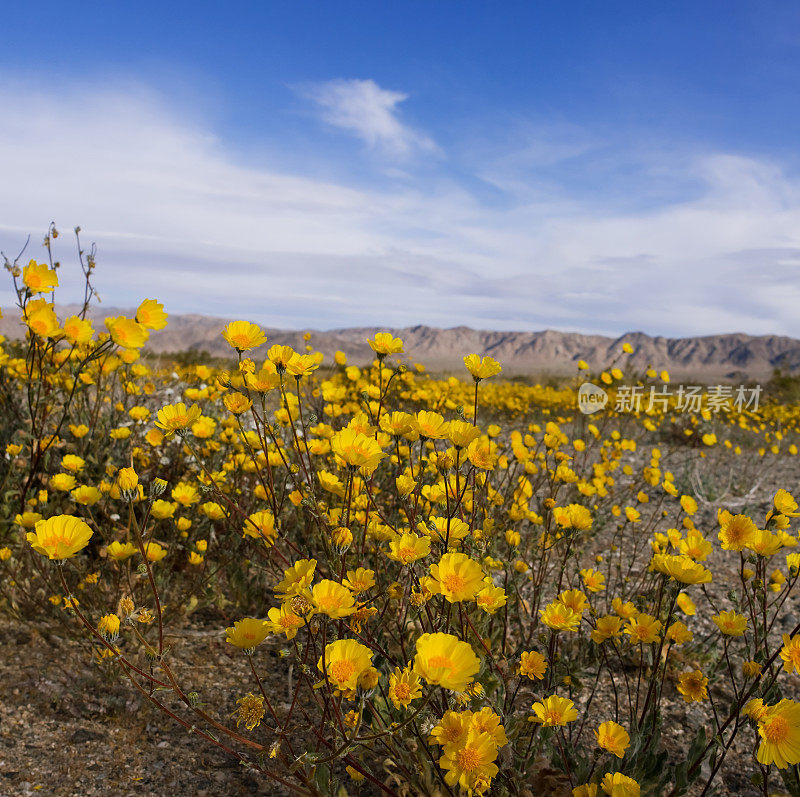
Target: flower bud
[(368, 679), (108, 626), (342, 538)]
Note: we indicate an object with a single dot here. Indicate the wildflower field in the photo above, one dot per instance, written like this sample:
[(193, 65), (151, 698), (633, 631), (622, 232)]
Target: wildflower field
[(421, 585)]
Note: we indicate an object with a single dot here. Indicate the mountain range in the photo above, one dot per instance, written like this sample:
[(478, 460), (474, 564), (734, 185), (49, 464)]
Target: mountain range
[(730, 357)]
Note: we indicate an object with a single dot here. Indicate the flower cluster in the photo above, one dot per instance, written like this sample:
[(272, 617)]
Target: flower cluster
[(454, 578)]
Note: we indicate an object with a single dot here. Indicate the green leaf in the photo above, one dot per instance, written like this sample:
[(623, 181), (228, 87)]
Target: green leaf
[(698, 745)]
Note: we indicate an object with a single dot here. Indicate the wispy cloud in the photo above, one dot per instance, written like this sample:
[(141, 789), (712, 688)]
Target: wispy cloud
[(179, 215), (371, 113)]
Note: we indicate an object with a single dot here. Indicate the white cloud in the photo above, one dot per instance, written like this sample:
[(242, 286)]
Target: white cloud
[(179, 216), (369, 112)]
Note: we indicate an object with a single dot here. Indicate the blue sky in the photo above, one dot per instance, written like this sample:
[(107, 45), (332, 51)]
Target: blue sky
[(580, 166)]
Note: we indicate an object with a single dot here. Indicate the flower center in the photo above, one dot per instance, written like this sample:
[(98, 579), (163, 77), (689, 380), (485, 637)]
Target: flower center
[(342, 670), (454, 582), (402, 691), (468, 759), (776, 729), (736, 533), (440, 662)]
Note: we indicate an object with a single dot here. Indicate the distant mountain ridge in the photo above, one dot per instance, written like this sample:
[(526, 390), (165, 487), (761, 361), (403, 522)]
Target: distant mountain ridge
[(735, 356)]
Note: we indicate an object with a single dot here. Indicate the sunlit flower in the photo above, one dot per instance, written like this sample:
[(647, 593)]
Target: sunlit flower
[(77, 330), (38, 278), (283, 620), (573, 516), (685, 604), (409, 548), (482, 453), (126, 332), (593, 580), (357, 450), (384, 344), (574, 599), (643, 629), (161, 510), (63, 481), (404, 686), (243, 336), (486, 721), (120, 551), (695, 546), (481, 368), (560, 617), (41, 320), (779, 729), (261, 526), (86, 495), (491, 598), (185, 494), (451, 729), (60, 537), (618, 785), (333, 599), (554, 710), (681, 568), (247, 633), (444, 660), (344, 661), (151, 315), (471, 765), (154, 552), (297, 578), (303, 365), (236, 403), (127, 479), (790, 653), (625, 609), (785, 504), (612, 737), (457, 577), (730, 623), (737, 532), (430, 425), (692, 685), (608, 627), (176, 417), (751, 669), (359, 580), (679, 633), (764, 543)]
